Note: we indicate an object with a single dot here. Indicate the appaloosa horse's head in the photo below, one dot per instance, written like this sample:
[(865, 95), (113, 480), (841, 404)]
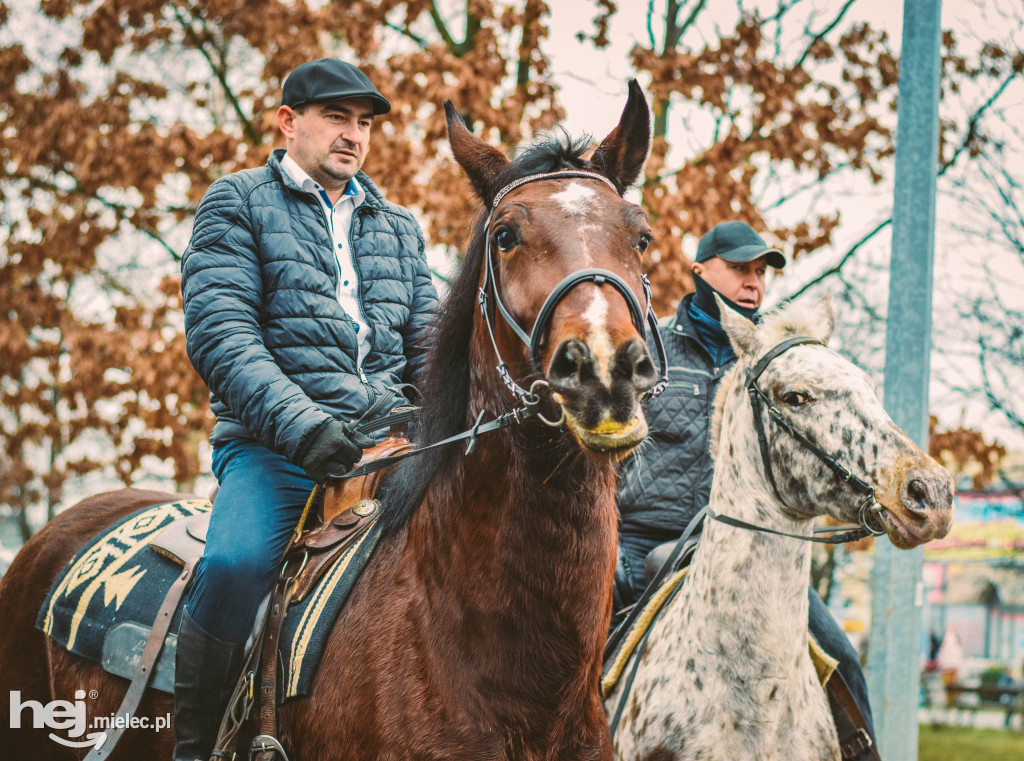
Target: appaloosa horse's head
[(800, 385), (565, 299)]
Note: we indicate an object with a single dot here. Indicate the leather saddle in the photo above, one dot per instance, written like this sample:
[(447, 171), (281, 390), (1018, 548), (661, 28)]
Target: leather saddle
[(347, 508)]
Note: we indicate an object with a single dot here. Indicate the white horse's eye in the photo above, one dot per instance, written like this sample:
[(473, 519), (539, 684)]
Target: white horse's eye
[(795, 398)]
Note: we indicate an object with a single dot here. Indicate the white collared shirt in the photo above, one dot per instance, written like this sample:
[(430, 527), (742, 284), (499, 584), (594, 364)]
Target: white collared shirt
[(339, 221)]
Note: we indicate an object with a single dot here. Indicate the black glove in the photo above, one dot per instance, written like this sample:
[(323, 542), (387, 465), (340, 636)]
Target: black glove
[(334, 450)]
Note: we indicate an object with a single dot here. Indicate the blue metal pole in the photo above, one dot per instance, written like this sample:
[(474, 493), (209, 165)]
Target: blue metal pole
[(894, 652)]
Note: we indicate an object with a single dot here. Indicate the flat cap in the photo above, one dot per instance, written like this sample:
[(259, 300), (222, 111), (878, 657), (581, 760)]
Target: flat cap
[(329, 79)]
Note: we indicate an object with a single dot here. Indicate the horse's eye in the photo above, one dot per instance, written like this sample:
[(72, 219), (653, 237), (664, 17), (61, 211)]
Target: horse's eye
[(795, 398), (644, 242), (505, 239)]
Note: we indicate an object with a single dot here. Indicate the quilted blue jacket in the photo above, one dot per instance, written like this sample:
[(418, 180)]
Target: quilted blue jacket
[(263, 325), (667, 480)]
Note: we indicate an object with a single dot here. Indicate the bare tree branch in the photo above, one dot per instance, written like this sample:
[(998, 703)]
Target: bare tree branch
[(218, 67), (823, 33), (458, 49)]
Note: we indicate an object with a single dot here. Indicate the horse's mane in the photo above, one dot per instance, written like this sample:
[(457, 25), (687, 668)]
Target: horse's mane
[(444, 384), (787, 320)]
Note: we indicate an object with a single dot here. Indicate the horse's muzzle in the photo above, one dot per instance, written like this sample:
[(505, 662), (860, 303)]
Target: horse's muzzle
[(925, 511), (576, 369), (601, 392)]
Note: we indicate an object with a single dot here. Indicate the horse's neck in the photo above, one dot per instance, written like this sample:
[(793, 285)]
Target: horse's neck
[(514, 558), (747, 590), (510, 509)]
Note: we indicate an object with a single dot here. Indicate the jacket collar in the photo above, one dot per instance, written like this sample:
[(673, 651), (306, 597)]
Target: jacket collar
[(682, 323), (373, 195)]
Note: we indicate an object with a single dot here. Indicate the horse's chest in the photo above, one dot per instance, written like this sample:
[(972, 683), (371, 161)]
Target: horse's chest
[(710, 716)]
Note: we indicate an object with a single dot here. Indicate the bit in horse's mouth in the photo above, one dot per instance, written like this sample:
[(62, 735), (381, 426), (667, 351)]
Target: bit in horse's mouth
[(610, 436)]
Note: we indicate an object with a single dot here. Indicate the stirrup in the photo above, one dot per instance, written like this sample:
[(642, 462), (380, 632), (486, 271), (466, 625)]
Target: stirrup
[(264, 744)]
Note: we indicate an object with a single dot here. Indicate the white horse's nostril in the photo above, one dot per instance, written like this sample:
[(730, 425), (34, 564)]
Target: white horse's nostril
[(916, 496)]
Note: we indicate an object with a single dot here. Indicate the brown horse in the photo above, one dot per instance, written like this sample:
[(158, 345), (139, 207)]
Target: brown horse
[(477, 629)]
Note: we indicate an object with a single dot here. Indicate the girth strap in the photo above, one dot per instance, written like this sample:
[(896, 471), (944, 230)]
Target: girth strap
[(855, 741)]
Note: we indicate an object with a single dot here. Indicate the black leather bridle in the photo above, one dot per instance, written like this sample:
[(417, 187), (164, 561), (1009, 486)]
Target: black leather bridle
[(533, 340), (529, 400)]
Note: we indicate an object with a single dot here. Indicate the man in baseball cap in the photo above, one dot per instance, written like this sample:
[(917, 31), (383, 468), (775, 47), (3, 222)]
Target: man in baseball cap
[(733, 259)]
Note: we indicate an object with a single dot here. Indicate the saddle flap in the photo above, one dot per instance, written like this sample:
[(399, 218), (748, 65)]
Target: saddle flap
[(183, 540), (339, 527), (122, 651), (318, 550)]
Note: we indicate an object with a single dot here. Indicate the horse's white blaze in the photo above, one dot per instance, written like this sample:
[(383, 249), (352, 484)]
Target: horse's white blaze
[(583, 231), (575, 199), (600, 342)]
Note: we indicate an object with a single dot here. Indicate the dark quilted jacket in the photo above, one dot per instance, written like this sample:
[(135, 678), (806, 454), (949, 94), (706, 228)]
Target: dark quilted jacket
[(668, 478), (263, 325)]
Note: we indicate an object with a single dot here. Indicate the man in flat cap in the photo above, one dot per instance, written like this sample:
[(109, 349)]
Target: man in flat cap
[(307, 296), (662, 490)]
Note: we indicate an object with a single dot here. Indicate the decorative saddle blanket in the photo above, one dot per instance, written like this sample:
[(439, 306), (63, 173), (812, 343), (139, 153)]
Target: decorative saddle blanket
[(104, 603)]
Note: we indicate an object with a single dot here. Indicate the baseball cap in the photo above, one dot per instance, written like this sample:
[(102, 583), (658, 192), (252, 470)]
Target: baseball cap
[(330, 79), (737, 242)]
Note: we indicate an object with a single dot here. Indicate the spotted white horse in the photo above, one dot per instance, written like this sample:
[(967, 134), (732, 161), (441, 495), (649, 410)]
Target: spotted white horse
[(726, 672)]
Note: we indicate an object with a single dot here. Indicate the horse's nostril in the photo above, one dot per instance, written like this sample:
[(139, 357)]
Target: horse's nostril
[(633, 363), (916, 496), (644, 368), (568, 364)]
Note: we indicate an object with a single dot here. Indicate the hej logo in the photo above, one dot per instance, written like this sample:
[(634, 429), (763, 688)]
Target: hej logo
[(57, 714)]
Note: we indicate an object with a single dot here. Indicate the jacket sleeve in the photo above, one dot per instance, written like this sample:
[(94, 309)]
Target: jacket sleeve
[(417, 332), (222, 288)]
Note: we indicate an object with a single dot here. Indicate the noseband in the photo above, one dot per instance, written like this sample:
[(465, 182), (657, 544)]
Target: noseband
[(489, 290), (870, 508)]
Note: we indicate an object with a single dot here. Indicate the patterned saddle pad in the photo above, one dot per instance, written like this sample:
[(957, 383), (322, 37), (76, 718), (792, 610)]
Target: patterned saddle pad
[(108, 596)]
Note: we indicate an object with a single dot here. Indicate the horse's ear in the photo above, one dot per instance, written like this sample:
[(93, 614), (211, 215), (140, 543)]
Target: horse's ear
[(742, 332), (622, 154), (824, 319), (481, 162)]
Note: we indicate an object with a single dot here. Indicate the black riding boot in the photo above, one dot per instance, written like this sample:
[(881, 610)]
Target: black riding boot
[(205, 671)]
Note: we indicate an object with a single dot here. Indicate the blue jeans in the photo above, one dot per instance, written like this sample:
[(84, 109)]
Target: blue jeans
[(260, 501), (629, 574)]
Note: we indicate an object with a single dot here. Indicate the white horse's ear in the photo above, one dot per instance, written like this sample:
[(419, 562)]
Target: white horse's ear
[(741, 331), (824, 319)]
